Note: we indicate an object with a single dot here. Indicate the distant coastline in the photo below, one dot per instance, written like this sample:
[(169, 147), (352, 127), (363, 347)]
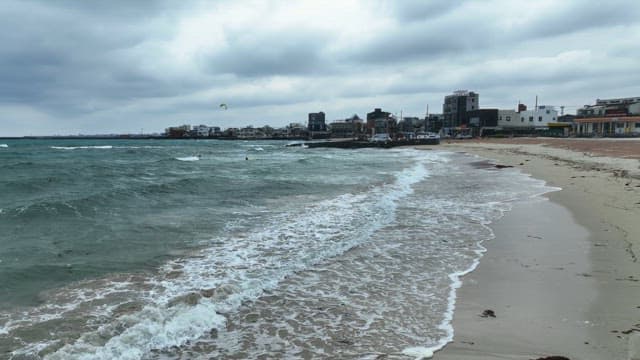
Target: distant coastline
[(140, 137)]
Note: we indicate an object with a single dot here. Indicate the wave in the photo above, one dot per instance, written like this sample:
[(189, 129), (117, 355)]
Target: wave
[(190, 295), (188, 158), (82, 147), (4, 146)]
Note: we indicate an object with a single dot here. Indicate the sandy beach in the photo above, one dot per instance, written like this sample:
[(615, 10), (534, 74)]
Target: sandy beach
[(562, 275)]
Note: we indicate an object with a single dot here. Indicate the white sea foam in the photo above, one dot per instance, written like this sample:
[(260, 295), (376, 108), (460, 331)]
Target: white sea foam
[(240, 270), (82, 147), (250, 260), (188, 158), (4, 146)]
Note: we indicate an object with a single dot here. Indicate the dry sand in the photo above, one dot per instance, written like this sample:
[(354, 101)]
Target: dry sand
[(562, 275)]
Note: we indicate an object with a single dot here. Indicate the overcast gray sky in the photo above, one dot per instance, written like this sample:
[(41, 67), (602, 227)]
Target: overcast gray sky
[(69, 67)]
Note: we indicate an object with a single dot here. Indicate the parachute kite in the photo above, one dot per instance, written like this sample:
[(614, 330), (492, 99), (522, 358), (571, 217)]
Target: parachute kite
[(223, 106)]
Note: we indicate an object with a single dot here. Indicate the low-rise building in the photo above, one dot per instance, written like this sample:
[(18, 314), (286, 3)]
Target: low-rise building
[(381, 122), (177, 131), (608, 126), (507, 118), (201, 130), (537, 118), (351, 127)]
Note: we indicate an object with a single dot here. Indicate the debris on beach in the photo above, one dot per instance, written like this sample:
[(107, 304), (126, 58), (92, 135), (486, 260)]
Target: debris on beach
[(488, 313), (499, 166), (555, 357)]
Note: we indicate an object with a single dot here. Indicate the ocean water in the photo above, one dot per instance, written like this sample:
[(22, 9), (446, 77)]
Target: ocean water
[(176, 249)]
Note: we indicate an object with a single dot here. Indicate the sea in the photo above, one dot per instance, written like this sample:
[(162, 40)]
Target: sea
[(215, 249)]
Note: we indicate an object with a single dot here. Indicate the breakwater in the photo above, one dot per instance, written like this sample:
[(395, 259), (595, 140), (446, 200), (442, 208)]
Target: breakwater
[(357, 144)]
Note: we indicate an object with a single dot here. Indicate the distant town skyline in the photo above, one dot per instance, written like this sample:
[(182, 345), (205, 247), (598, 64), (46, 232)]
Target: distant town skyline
[(70, 67)]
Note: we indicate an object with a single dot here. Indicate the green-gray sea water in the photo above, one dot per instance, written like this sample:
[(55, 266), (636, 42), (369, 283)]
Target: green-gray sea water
[(145, 249)]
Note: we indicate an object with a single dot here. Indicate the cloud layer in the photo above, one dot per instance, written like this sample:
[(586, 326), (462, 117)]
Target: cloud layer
[(70, 67)]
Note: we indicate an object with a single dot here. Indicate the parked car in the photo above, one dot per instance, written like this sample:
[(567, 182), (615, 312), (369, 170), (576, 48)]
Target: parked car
[(380, 138)]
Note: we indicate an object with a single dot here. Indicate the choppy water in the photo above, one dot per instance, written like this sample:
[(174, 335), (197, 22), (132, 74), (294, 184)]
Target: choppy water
[(184, 249)]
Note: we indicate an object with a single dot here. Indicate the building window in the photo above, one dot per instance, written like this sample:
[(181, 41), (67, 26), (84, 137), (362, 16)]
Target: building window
[(548, 112), (554, 119), (539, 118), (522, 119), (530, 118), (508, 118), (500, 118)]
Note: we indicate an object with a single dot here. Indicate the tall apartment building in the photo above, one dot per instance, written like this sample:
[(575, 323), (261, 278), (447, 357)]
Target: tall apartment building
[(316, 122), (456, 105)]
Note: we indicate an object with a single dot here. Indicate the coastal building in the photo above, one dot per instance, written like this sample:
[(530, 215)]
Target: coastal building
[(507, 118), (539, 117), (316, 126), (316, 122), (249, 132), (457, 105), (177, 131), (297, 130), (482, 118), (608, 126), (201, 130), (411, 124), (434, 122), (611, 107), (351, 127), (609, 117), (566, 118), (381, 122), (231, 132)]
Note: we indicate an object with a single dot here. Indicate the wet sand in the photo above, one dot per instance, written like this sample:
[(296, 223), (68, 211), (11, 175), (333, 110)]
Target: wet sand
[(562, 275)]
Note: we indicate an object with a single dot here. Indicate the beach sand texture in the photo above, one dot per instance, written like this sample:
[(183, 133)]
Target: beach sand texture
[(562, 276)]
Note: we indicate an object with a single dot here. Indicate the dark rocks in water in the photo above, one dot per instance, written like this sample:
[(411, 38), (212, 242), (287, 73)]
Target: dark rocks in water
[(188, 299), (127, 308), (555, 357), (207, 292), (499, 166), (488, 313), (345, 341)]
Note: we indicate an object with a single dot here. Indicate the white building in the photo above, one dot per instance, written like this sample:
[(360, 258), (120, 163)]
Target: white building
[(201, 130), (537, 118), (507, 118)]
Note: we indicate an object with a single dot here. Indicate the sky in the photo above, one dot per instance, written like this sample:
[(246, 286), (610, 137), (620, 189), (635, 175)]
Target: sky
[(120, 66)]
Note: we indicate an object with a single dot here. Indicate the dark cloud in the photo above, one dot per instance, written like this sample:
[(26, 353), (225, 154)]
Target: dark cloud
[(569, 17), (71, 66), (427, 41), (420, 10), (278, 53)]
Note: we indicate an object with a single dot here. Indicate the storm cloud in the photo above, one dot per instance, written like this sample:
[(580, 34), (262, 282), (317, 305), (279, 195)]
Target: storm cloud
[(70, 67)]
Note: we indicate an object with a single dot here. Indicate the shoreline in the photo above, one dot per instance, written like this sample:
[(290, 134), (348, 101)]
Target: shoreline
[(581, 305)]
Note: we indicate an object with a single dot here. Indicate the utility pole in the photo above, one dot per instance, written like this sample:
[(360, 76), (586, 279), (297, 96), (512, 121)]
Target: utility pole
[(426, 120)]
